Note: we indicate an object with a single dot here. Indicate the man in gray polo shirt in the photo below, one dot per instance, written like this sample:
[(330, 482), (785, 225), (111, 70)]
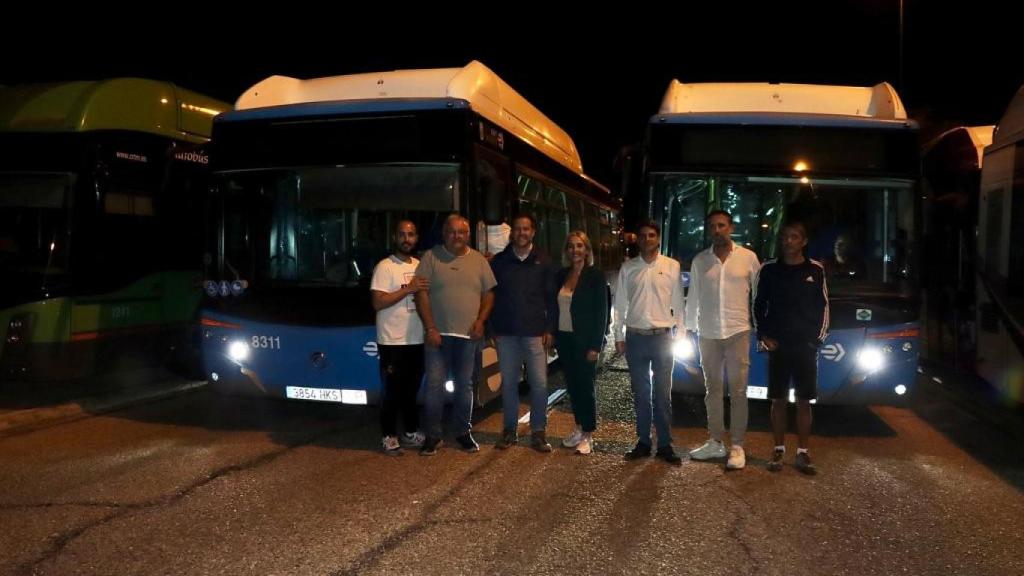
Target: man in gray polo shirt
[(453, 310)]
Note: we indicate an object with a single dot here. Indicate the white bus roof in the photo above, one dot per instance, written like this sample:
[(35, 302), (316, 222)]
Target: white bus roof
[(877, 102), (980, 137), (1011, 125), (487, 94)]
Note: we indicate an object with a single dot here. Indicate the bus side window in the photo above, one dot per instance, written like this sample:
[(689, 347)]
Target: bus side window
[(530, 191), (593, 229), (558, 218)]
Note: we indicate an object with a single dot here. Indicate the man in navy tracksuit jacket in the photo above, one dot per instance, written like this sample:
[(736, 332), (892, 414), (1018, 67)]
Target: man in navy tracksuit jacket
[(791, 319)]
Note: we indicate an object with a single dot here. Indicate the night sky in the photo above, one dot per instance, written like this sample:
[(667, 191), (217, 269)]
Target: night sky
[(600, 81)]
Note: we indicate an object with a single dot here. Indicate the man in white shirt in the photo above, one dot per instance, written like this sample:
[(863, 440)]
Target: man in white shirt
[(399, 340), (718, 307), (648, 315)]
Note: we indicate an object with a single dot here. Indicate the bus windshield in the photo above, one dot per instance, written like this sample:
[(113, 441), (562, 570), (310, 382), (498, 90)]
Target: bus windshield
[(329, 226), (861, 230), (33, 223)]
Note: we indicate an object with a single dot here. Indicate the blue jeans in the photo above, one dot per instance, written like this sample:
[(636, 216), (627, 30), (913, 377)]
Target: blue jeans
[(647, 354), (455, 357), (513, 352)]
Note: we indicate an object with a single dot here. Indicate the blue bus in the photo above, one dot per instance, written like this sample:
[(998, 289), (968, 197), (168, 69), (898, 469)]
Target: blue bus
[(312, 176), (844, 160)]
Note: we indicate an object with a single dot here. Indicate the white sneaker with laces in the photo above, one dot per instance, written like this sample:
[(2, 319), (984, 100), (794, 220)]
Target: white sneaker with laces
[(415, 439), (585, 445), (711, 449), (574, 439), (737, 458), (391, 446)]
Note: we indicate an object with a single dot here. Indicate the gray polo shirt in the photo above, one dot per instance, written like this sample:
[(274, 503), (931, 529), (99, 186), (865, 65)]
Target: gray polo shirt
[(456, 285)]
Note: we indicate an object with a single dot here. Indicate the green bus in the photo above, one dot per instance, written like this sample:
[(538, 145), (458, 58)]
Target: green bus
[(102, 185)]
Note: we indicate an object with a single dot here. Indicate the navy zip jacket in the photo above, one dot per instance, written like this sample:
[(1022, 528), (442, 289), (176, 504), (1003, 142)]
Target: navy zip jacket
[(525, 302), (791, 303)]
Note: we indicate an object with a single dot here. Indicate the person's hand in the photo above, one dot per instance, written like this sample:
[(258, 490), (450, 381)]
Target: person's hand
[(592, 355), (418, 284), (476, 332), (548, 342), (620, 347), (770, 344), (433, 338)]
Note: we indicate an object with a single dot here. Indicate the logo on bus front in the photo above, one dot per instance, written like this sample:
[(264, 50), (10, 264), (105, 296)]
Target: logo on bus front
[(370, 348), (194, 157), (833, 352)]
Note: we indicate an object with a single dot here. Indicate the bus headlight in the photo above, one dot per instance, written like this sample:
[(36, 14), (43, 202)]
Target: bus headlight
[(870, 360), (683, 348), (18, 329), (238, 351)]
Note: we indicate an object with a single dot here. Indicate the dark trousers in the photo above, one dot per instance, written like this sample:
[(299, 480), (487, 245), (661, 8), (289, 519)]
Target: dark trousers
[(401, 372), (579, 379)]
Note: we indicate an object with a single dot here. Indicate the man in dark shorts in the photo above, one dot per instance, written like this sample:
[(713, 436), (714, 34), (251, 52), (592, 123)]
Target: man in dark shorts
[(791, 319)]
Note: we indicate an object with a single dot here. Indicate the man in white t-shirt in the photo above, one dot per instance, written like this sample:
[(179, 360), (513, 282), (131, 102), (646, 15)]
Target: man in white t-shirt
[(399, 340)]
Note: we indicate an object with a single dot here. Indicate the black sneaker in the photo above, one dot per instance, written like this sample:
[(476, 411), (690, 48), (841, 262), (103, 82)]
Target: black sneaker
[(430, 446), (467, 444), (775, 462), (668, 455), (507, 440), (803, 464), (539, 441), (639, 451)]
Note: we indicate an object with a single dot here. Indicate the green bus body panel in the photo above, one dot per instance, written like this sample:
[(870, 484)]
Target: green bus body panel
[(164, 298), (154, 302), (50, 320), (132, 104)]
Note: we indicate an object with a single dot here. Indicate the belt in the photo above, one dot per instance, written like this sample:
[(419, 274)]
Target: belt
[(648, 331)]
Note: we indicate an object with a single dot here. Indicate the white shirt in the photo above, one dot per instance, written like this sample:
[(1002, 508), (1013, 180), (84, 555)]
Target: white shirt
[(648, 296), (397, 324), (718, 302), (492, 238), (565, 310)]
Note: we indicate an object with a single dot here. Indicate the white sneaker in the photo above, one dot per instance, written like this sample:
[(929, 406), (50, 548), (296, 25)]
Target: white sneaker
[(711, 449), (414, 440), (585, 445), (391, 446), (737, 458), (574, 439)]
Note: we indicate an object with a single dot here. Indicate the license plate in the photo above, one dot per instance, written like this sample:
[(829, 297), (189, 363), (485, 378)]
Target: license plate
[(757, 392), (317, 394)]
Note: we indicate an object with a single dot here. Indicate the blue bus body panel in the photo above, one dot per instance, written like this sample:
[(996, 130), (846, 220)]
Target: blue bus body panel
[(349, 360), (840, 379)]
